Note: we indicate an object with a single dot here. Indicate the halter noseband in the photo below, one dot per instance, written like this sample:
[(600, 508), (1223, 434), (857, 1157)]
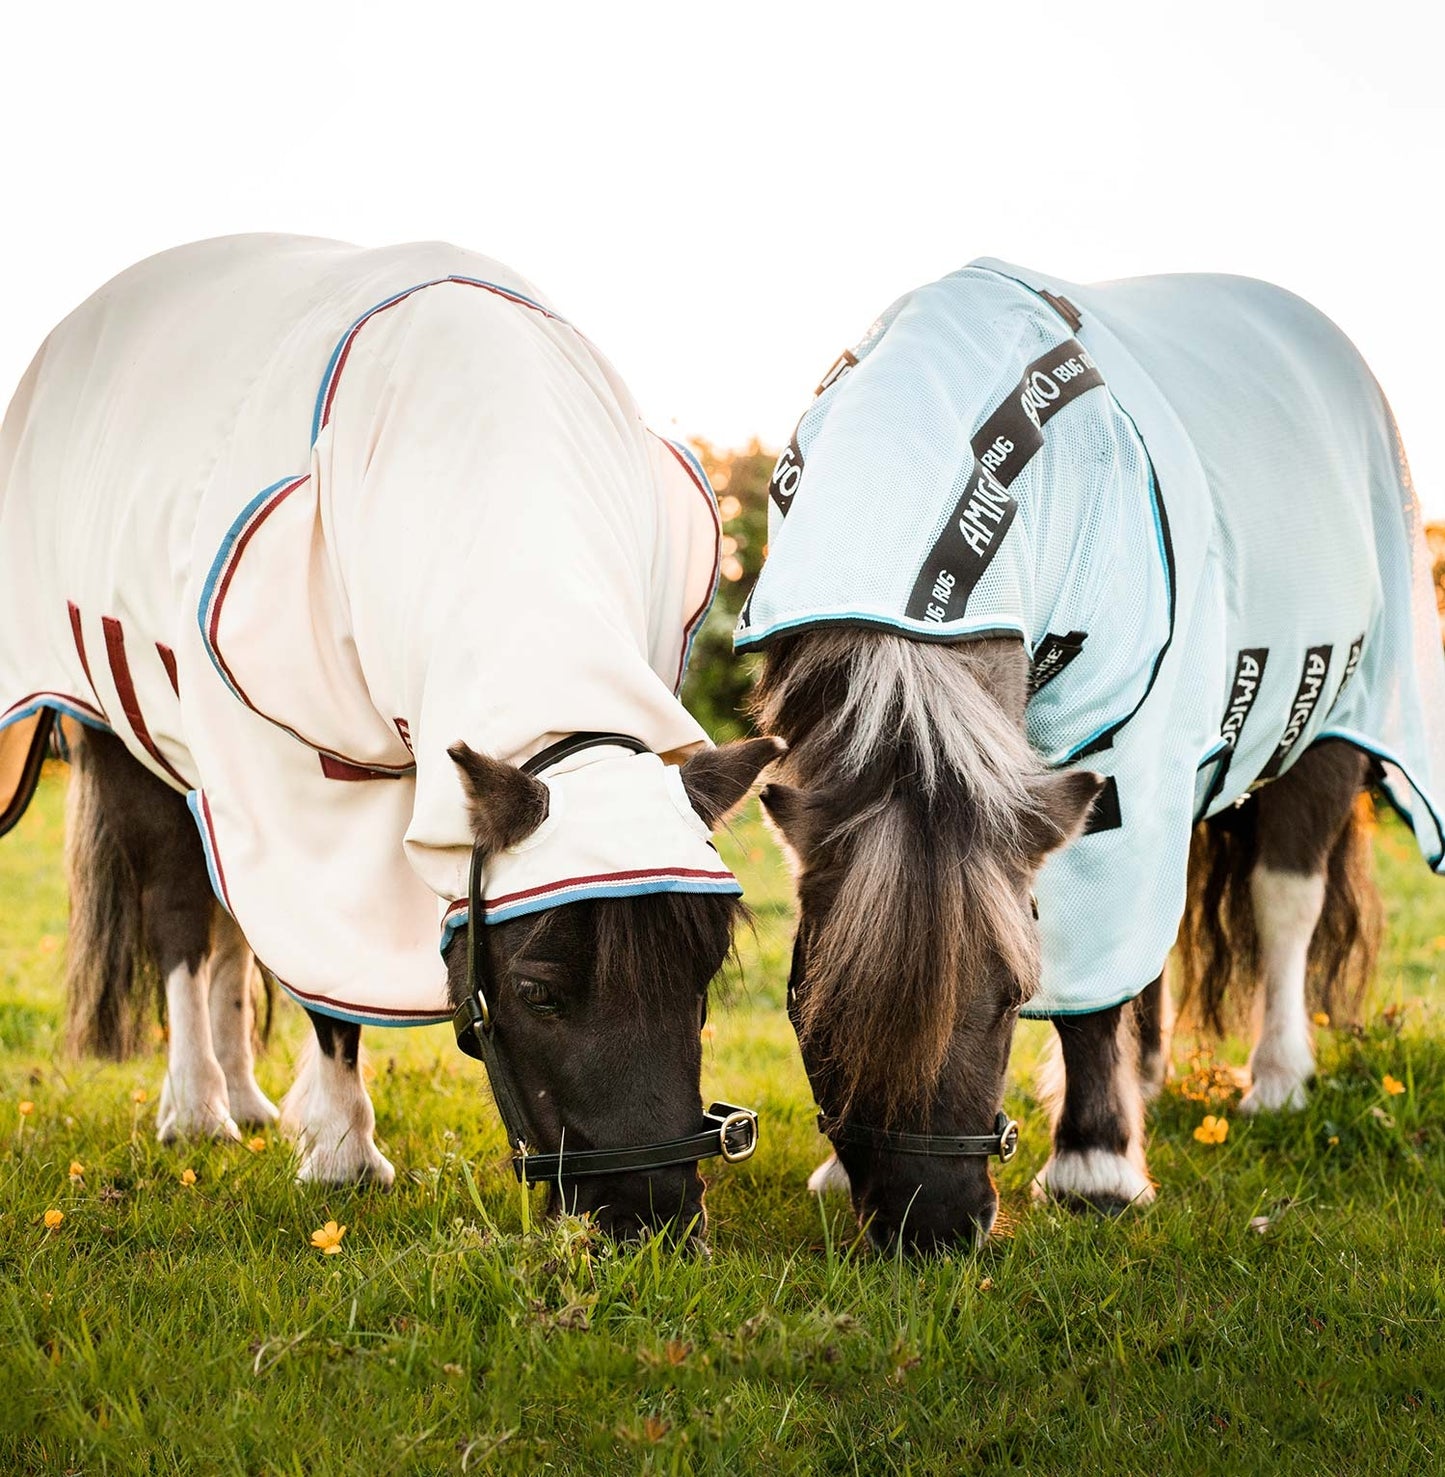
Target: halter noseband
[(1003, 1141), (727, 1131)]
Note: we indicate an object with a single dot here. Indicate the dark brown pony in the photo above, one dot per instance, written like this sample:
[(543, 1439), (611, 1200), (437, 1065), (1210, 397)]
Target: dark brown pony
[(917, 815)]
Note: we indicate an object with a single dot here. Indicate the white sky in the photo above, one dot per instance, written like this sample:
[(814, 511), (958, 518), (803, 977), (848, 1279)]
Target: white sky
[(723, 197)]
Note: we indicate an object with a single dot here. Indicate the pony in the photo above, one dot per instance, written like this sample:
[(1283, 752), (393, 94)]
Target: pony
[(1088, 616), (401, 728)]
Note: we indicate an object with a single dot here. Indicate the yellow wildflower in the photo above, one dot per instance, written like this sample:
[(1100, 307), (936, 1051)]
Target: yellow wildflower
[(76, 1169), (256, 1144), (1392, 1085), (1334, 1141), (26, 1109), (1321, 1018), (188, 1176), (53, 1218), (139, 1095), (328, 1238), (1213, 1130)]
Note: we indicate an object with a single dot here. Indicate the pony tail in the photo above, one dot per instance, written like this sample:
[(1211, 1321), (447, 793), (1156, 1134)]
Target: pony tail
[(1346, 942), (1216, 955), (106, 964)]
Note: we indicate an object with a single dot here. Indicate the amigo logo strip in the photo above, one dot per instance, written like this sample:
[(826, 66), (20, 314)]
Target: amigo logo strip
[(1001, 448)]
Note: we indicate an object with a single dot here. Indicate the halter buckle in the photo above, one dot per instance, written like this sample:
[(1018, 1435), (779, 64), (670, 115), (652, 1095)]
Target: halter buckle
[(737, 1134), (1008, 1137), (471, 1021)]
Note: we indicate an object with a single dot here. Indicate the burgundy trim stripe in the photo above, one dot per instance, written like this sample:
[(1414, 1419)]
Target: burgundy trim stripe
[(341, 769), (636, 876), (79, 634), (492, 287), (213, 642), (168, 661), (129, 703), (702, 610), (381, 1011)]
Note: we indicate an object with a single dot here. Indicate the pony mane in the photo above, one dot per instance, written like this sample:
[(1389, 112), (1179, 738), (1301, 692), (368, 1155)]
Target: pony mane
[(917, 775)]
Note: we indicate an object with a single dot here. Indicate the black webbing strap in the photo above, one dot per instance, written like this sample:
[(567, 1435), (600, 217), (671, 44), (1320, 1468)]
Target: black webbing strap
[(1003, 1141), (1002, 447), (730, 1132)]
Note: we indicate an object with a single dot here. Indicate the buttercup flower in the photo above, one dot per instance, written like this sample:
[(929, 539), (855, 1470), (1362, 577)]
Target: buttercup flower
[(139, 1095), (1213, 1130), (53, 1218), (188, 1176), (1321, 1018), (328, 1238), (76, 1169), (26, 1109), (256, 1144), (1392, 1085)]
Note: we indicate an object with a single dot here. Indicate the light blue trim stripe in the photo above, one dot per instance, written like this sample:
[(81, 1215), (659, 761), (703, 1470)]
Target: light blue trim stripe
[(611, 889), (193, 804), (336, 353), (359, 1017), (452, 925), (60, 705), (213, 575)]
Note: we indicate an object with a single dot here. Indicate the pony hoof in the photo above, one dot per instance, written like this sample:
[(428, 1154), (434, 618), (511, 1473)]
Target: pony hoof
[(1095, 1180), (1273, 1094), (204, 1123), (251, 1106), (344, 1167), (830, 1178)]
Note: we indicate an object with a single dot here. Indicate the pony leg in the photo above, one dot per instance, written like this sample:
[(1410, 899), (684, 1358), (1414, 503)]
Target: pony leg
[(1153, 1016), (194, 1102), (1307, 833), (329, 1113), (1287, 907), (1098, 1158), (136, 831), (233, 1021)]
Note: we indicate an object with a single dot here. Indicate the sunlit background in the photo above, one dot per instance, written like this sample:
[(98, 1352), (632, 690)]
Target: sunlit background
[(723, 197)]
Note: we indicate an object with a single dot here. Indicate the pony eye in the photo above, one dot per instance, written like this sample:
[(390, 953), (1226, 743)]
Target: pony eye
[(533, 994)]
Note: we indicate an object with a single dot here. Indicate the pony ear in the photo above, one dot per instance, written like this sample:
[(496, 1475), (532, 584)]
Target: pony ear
[(1062, 801), (504, 805), (716, 779), (789, 811)]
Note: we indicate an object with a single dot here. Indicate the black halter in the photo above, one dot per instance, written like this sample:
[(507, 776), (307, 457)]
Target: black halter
[(1003, 1141), (725, 1130)]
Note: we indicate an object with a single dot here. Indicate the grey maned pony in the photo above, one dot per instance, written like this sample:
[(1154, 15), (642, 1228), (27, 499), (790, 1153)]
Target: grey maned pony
[(917, 814)]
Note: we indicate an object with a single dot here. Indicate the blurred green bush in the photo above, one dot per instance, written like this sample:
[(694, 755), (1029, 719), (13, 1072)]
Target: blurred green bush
[(718, 683)]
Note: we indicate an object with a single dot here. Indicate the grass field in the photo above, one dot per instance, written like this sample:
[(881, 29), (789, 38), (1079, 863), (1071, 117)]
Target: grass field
[(166, 1326)]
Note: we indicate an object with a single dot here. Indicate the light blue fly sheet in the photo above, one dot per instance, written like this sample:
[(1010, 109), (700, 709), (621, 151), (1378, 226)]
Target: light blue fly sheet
[(1188, 497)]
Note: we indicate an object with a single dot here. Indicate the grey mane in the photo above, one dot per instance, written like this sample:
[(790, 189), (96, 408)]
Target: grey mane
[(916, 773)]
